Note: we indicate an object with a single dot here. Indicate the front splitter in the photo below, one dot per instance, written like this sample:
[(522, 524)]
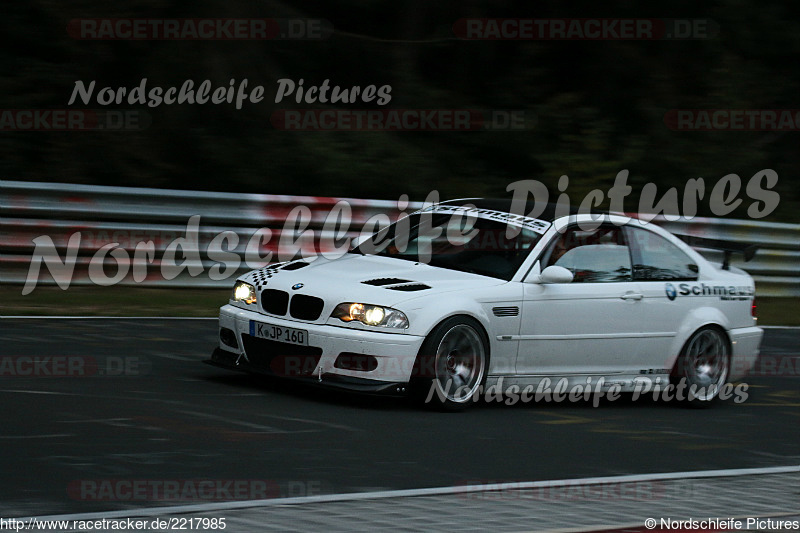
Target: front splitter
[(231, 361)]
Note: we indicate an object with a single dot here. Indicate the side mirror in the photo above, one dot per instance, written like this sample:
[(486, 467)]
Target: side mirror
[(553, 274)]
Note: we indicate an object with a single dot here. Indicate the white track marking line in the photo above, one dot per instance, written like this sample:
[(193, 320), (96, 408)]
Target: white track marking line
[(51, 436), (62, 317), (39, 392), (243, 423), (164, 355), (437, 491), (309, 421)]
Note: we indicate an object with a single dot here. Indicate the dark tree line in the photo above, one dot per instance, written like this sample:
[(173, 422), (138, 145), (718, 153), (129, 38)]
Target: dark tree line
[(599, 106)]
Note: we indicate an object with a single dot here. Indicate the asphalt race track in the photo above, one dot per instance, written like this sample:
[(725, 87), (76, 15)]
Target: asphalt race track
[(133, 402)]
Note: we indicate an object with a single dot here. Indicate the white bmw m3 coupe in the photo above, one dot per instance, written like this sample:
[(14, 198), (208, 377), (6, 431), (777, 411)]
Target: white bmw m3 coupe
[(467, 294)]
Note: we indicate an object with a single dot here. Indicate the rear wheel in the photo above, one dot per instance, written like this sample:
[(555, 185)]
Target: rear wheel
[(703, 366), (451, 365)]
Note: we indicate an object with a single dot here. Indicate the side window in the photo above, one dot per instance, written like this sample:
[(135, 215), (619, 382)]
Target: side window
[(597, 256), (657, 259)]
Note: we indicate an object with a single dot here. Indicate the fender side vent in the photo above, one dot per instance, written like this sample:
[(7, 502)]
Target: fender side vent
[(505, 311), (380, 282), (409, 288), (295, 266)]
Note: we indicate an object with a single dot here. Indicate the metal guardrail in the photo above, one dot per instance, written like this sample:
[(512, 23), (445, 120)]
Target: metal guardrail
[(127, 216), (776, 265)]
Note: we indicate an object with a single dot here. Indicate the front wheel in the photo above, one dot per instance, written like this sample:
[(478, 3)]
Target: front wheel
[(702, 368), (451, 366)]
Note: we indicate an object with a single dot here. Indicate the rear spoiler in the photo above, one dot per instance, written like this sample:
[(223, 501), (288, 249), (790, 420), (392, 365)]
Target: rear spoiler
[(728, 247)]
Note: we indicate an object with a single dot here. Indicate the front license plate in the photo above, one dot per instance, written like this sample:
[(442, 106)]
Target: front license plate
[(278, 333)]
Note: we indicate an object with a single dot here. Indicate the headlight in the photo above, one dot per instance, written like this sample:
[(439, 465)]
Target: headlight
[(244, 292), (371, 315)]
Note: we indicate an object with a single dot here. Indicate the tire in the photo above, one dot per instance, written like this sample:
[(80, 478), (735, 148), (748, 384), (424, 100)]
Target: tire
[(703, 366), (451, 365)]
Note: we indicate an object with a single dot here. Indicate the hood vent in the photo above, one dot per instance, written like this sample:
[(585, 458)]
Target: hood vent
[(505, 311), (295, 266), (380, 282), (409, 288)]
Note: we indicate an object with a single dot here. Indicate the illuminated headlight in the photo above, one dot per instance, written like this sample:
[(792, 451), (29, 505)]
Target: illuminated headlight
[(371, 315), (244, 292)]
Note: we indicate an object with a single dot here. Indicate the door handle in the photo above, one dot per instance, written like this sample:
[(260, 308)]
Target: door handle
[(632, 296)]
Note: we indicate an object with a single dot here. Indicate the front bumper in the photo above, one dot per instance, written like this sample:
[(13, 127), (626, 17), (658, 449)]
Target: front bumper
[(394, 353)]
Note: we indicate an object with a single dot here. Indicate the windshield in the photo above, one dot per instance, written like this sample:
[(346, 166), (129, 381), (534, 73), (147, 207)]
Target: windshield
[(474, 244)]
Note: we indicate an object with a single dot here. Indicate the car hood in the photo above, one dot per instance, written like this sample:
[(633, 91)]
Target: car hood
[(367, 279)]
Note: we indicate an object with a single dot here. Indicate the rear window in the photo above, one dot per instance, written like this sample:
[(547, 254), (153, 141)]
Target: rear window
[(657, 259)]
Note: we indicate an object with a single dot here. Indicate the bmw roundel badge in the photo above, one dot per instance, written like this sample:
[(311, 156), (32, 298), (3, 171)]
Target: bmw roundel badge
[(297, 286), (669, 288)]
